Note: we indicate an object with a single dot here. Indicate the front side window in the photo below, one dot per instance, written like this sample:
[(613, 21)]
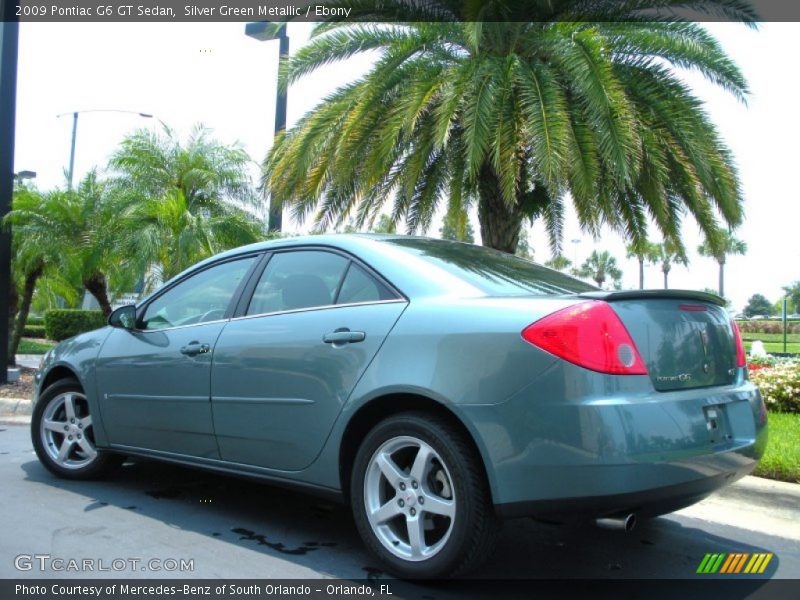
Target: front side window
[(296, 280), (201, 298)]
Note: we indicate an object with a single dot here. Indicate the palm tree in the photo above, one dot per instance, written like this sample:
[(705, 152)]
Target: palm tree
[(599, 267), (515, 117), (719, 248), (668, 255), (644, 251), (36, 219), (79, 227), (181, 202)]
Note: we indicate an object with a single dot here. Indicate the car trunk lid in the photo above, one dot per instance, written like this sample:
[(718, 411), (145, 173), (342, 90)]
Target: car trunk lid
[(684, 337)]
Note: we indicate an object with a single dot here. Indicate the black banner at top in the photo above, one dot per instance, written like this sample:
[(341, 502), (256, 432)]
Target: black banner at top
[(148, 11)]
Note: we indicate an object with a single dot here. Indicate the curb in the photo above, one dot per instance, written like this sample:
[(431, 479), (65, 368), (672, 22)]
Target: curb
[(15, 407)]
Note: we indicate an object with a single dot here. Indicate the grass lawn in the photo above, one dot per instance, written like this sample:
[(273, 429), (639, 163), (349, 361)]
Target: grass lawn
[(782, 458), (770, 337), (793, 347), (34, 346)]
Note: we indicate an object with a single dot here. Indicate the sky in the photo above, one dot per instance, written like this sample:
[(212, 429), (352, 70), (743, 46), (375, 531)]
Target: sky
[(211, 73)]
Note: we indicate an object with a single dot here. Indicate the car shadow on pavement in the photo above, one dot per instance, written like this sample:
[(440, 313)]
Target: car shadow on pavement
[(322, 536)]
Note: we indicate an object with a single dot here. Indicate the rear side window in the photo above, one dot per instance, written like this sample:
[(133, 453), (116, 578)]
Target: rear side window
[(295, 280), (360, 286)]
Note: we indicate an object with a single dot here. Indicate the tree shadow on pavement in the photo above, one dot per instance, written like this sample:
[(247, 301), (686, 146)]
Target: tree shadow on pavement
[(322, 536)]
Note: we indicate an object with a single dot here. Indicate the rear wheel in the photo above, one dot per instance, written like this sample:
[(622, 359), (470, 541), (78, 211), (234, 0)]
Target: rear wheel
[(62, 432), (420, 499)]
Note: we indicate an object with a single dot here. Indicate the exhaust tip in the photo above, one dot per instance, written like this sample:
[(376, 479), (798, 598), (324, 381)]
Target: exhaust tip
[(630, 522), (620, 523)]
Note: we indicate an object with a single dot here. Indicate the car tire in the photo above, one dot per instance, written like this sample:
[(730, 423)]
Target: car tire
[(63, 434), (431, 516)]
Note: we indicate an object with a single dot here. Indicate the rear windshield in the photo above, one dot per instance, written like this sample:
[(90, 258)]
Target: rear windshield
[(494, 273)]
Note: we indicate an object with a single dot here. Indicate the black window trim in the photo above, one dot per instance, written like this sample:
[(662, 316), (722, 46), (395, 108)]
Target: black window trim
[(232, 304), (245, 299)]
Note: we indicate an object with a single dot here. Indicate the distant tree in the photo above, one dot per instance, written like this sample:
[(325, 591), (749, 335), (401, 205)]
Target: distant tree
[(645, 252), (524, 249), (559, 262), (599, 267), (385, 225), (456, 227), (719, 249), (670, 254), (793, 291), (758, 305), (728, 303)]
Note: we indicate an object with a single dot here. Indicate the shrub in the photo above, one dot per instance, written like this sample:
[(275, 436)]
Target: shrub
[(767, 327), (33, 320), (33, 331), (779, 385), (61, 324)]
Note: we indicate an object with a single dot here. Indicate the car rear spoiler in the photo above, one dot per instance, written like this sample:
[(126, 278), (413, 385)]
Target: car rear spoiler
[(653, 294)]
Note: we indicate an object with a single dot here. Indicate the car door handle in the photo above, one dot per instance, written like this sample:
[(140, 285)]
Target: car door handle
[(344, 336), (195, 348)]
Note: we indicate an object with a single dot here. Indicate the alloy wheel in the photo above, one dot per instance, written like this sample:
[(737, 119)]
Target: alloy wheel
[(409, 498), (66, 431)]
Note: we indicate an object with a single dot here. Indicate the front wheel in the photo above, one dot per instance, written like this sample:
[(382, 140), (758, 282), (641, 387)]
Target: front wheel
[(62, 432), (420, 499)]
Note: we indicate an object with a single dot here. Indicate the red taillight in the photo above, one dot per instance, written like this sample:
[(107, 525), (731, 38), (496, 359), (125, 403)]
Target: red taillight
[(741, 357), (591, 335)]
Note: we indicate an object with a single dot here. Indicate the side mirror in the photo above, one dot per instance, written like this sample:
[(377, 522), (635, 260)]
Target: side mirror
[(124, 317)]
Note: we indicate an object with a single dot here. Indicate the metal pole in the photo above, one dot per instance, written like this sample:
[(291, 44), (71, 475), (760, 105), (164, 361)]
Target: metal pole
[(785, 298), (9, 38), (72, 149), (276, 212)]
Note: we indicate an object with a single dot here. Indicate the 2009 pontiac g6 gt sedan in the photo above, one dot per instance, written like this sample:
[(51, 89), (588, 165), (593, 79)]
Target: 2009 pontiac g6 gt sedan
[(434, 386)]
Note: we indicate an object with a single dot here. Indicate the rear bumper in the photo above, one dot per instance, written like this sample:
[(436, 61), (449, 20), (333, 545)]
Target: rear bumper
[(625, 449), (647, 503)]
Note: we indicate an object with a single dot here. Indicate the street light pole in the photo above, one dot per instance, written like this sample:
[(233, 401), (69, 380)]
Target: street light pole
[(75, 114), (575, 243), (265, 31), (72, 149), (9, 43)]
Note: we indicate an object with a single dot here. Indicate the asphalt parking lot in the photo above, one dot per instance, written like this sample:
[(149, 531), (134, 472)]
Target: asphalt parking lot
[(232, 528)]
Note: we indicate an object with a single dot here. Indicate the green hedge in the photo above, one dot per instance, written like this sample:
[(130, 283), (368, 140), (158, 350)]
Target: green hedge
[(33, 331), (61, 324), (32, 320)]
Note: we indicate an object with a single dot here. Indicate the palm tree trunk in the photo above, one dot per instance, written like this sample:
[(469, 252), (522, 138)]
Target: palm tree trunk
[(24, 308), (722, 279), (96, 286), (641, 272), (500, 223), (666, 277)]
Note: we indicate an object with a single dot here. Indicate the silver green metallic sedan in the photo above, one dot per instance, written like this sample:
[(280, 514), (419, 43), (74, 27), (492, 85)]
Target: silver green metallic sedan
[(436, 387)]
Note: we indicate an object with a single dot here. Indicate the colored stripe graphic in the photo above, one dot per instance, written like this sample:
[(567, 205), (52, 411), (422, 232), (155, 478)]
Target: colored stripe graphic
[(767, 558), (711, 563), (716, 562)]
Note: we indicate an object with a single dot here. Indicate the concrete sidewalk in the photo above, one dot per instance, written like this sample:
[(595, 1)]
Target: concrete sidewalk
[(755, 504), (15, 407), (29, 361)]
